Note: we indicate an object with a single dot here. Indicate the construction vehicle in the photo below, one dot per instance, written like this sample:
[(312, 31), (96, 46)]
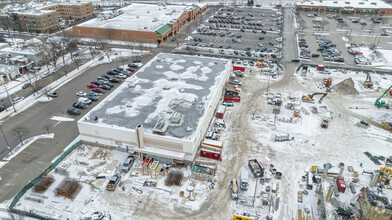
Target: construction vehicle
[(234, 190), (327, 82), (386, 125), (382, 104), (309, 98), (386, 175), (368, 81), (324, 124), (244, 216)]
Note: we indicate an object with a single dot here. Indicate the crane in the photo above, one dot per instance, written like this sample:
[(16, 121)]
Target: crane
[(368, 81), (382, 104)]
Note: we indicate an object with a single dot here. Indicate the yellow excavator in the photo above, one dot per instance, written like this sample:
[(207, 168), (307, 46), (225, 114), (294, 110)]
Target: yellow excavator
[(386, 125), (386, 175), (368, 81), (309, 98)]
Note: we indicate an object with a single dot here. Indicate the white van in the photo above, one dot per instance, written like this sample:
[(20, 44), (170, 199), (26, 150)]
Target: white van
[(84, 100), (244, 180)]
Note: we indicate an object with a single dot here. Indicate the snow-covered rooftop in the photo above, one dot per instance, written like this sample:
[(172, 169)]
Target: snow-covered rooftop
[(169, 83), (20, 50), (376, 4), (141, 17)]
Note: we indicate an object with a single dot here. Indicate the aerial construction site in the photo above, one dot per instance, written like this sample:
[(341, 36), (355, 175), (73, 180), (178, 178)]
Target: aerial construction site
[(264, 111)]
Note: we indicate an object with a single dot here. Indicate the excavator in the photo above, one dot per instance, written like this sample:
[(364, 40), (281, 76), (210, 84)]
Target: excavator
[(368, 81), (309, 98), (327, 82), (382, 104), (386, 125)]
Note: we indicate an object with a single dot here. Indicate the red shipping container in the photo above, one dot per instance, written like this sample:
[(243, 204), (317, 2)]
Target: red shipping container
[(232, 99), (240, 68), (210, 154)]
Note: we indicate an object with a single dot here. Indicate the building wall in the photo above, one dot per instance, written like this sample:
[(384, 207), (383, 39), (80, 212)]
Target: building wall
[(73, 12), (115, 34), (139, 36)]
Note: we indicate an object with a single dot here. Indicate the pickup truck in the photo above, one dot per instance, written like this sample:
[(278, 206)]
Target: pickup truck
[(113, 182)]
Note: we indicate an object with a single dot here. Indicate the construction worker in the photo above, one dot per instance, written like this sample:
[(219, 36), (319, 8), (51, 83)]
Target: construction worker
[(340, 114), (360, 164)]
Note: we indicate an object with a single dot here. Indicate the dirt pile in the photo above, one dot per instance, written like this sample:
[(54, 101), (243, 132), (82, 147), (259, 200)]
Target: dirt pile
[(346, 87)]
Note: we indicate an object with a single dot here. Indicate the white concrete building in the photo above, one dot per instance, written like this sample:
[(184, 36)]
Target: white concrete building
[(163, 111)]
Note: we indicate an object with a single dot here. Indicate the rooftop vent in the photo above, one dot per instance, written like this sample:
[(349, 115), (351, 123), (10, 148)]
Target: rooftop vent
[(155, 20), (347, 3), (335, 2), (361, 3), (175, 118), (373, 3)]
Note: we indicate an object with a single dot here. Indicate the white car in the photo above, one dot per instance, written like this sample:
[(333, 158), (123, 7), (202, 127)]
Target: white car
[(245, 63), (81, 93), (260, 44), (17, 99), (121, 76)]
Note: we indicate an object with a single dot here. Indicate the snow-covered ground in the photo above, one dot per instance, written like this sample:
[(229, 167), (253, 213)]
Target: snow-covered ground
[(379, 58)]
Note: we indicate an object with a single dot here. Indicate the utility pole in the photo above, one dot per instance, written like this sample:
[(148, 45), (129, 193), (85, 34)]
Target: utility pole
[(254, 195)]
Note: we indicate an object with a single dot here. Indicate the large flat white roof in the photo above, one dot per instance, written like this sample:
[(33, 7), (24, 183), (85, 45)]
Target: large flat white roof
[(141, 17), (374, 4), (169, 83)]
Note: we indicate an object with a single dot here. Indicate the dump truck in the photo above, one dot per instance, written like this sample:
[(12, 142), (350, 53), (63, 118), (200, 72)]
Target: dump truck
[(113, 182), (256, 168), (386, 125), (234, 189)]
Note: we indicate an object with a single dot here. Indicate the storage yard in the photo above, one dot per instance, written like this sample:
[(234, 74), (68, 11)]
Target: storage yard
[(238, 133)]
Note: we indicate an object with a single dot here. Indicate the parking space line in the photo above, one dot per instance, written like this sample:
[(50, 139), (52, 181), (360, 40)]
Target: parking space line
[(15, 164), (20, 158), (7, 192), (26, 152), (34, 147), (9, 171), (40, 142)]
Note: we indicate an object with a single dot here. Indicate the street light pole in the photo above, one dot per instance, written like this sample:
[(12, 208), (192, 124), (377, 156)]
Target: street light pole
[(6, 141)]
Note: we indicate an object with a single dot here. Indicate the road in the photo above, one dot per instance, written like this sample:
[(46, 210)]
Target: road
[(35, 158)]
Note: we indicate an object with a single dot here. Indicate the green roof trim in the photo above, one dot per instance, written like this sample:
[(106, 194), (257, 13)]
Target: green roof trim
[(162, 30), (196, 6)]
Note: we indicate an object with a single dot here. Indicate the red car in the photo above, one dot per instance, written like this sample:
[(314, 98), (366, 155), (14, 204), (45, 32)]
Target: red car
[(92, 86), (98, 90), (130, 69)]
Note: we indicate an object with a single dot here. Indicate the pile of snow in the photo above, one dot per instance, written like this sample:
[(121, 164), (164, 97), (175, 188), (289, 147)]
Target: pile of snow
[(346, 87)]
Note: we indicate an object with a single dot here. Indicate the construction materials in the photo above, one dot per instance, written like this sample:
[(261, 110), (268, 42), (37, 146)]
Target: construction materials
[(146, 165), (363, 124), (369, 155), (341, 184), (43, 184), (368, 81), (382, 103), (68, 188), (220, 113), (256, 168), (174, 177), (234, 189), (352, 188), (282, 137), (153, 169), (300, 196), (386, 125)]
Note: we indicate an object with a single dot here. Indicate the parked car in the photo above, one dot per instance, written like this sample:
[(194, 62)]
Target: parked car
[(127, 164), (86, 101), (2, 108), (111, 72), (114, 80), (26, 85), (113, 182), (52, 94), (93, 94), (106, 76), (121, 76), (92, 86), (315, 55), (295, 60), (96, 83), (93, 98), (17, 99), (105, 87), (73, 111), (109, 84), (98, 90), (79, 105), (130, 69), (81, 93), (137, 60)]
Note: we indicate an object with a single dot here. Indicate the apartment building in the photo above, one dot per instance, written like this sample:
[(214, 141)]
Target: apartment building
[(35, 21), (72, 10)]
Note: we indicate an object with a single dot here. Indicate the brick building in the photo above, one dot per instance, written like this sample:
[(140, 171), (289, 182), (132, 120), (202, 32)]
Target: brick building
[(354, 7), (151, 23), (37, 21), (72, 10)]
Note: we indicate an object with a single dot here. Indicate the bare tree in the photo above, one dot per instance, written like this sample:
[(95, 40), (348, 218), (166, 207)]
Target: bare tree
[(20, 132), (47, 128), (5, 102), (109, 33), (32, 79), (55, 51), (46, 90), (253, 110), (105, 48), (92, 51), (77, 62), (72, 47), (65, 69)]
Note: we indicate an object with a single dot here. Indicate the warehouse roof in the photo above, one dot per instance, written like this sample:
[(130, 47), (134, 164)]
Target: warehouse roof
[(141, 17), (168, 84)]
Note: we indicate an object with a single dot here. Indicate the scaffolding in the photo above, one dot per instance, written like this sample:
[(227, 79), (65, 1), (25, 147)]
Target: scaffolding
[(146, 165), (153, 169)]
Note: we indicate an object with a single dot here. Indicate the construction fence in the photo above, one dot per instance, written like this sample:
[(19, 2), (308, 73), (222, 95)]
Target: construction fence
[(347, 68), (34, 181)]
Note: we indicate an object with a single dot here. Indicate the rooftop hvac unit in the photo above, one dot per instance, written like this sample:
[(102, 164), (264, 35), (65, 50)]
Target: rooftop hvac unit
[(374, 3), (175, 118), (155, 20), (166, 87), (347, 3), (148, 12)]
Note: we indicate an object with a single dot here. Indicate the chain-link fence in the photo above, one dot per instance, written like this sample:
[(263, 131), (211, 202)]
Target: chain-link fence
[(34, 181)]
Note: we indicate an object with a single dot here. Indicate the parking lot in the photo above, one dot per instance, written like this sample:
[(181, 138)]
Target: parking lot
[(251, 32), (331, 46)]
